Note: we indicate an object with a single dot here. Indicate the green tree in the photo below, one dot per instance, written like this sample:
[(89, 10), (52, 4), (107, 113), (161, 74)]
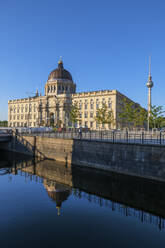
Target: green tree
[(3, 123), (104, 115), (132, 114), (140, 117), (74, 113), (156, 116), (127, 113)]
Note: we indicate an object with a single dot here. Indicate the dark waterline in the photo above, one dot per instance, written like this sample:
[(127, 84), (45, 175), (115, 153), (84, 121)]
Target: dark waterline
[(50, 204)]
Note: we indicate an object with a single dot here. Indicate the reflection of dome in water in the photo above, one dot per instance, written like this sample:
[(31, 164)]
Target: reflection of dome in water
[(57, 192)]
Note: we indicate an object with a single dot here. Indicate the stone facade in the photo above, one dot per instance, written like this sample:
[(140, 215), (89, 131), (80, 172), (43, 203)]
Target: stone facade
[(53, 108)]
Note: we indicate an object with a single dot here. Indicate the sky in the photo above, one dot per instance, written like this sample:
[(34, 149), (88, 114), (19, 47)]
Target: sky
[(104, 44)]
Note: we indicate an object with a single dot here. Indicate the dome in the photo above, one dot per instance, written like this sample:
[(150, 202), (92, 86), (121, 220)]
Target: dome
[(60, 73)]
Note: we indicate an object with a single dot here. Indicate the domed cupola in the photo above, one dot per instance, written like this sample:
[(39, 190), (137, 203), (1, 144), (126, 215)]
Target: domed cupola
[(60, 72), (60, 82)]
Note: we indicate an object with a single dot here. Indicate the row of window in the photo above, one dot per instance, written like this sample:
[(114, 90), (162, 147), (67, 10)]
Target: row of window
[(92, 105), (97, 100), (21, 109), (86, 114), (52, 88), (22, 124), (21, 117)]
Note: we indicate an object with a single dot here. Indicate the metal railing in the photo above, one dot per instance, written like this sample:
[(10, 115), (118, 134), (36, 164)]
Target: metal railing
[(153, 138)]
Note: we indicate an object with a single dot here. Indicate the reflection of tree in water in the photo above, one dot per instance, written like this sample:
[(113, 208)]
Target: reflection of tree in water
[(57, 192)]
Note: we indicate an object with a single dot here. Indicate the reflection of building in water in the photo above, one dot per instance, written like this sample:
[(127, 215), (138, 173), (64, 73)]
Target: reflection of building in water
[(57, 192), (142, 199)]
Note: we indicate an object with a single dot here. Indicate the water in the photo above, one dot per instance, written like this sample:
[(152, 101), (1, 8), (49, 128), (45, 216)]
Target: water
[(50, 204)]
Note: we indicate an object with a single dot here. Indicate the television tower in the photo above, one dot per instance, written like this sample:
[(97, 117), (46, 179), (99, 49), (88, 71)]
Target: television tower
[(149, 84)]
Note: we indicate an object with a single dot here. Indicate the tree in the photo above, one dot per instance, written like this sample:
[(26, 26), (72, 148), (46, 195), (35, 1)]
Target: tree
[(140, 117), (127, 113), (132, 114), (104, 116), (74, 113), (156, 116), (3, 123)]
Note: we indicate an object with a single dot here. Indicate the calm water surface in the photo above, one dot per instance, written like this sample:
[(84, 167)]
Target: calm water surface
[(48, 204)]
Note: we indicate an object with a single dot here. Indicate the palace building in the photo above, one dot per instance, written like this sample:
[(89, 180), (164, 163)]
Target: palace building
[(53, 109)]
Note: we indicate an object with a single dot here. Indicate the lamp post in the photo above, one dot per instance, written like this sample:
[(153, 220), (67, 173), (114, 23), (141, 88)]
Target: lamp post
[(149, 85)]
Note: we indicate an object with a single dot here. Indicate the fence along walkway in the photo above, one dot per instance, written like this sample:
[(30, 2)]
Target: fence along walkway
[(156, 138)]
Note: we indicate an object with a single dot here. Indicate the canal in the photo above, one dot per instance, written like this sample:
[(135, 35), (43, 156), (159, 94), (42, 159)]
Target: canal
[(52, 204)]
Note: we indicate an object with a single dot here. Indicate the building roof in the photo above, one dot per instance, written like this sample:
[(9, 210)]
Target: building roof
[(60, 72)]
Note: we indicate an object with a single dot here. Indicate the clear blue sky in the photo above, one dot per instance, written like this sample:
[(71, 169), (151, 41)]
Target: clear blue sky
[(104, 44)]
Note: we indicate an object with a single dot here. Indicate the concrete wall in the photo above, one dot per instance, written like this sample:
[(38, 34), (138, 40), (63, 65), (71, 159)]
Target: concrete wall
[(52, 148), (146, 161), (133, 159)]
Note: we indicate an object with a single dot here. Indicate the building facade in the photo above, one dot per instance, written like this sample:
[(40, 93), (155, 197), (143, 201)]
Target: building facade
[(53, 109)]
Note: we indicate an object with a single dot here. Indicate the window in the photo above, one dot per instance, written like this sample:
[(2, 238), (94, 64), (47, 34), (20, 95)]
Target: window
[(103, 102), (80, 104), (91, 114), (21, 117), (26, 108), (17, 117), (86, 124), (91, 124), (34, 107), (86, 115), (18, 109), (30, 108)]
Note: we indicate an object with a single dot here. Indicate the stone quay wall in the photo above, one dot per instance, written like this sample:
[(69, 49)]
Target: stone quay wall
[(142, 160)]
